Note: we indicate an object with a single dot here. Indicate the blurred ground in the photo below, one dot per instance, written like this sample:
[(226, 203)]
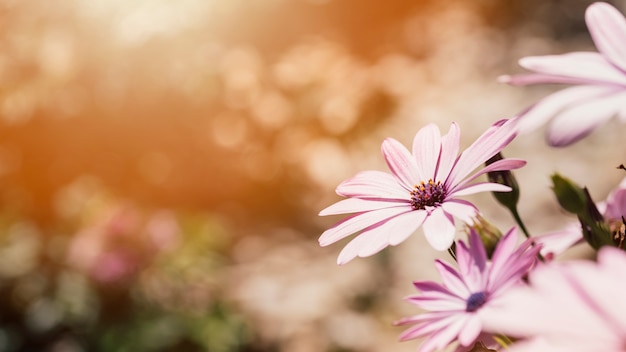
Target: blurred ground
[(162, 163)]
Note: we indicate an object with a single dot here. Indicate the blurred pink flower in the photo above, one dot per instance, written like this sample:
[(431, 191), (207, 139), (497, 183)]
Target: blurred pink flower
[(422, 189), (556, 242), (458, 308), (600, 79), (121, 241), (573, 306)]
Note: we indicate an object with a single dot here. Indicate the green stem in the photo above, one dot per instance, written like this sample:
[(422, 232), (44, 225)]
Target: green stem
[(519, 221)]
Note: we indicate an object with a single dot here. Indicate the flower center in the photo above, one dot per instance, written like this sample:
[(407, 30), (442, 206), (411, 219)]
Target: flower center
[(427, 194), (475, 301)]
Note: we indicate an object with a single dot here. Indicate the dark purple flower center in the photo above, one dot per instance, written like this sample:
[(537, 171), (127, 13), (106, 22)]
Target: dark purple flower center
[(475, 301), (427, 194)]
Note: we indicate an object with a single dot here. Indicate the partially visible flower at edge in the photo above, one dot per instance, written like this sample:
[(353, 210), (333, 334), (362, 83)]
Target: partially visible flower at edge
[(422, 189), (600, 79), (575, 306), (612, 209), (458, 308)]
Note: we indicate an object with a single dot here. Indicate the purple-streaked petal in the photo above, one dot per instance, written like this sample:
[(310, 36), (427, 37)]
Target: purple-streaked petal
[(452, 280), (426, 150), (441, 338), (449, 151), (498, 136), (477, 250), (503, 251), (358, 205), (401, 163), (578, 121), (471, 330), (376, 238), (500, 165), (450, 303), (355, 223), (372, 184), (549, 106), (433, 322), (587, 67), (439, 229), (607, 27), (468, 270), (461, 209), (481, 187)]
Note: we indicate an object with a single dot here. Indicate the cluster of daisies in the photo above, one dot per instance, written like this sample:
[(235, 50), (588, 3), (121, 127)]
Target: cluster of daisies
[(505, 294)]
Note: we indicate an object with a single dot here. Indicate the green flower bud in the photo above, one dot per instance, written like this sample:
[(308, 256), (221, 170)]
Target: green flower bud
[(570, 196), (489, 234)]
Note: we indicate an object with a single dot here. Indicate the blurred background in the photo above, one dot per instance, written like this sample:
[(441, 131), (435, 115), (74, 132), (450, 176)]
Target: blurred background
[(162, 163)]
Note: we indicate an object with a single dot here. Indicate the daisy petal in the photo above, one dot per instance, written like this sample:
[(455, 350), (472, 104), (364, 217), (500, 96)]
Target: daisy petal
[(358, 205), (439, 229), (372, 184), (401, 163), (575, 123), (426, 148), (376, 238), (481, 187), (487, 145), (356, 223), (607, 27), (586, 67), (449, 151), (545, 109)]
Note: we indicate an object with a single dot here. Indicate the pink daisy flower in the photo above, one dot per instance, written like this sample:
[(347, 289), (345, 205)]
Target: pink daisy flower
[(600, 79), (422, 190), (575, 306), (458, 308)]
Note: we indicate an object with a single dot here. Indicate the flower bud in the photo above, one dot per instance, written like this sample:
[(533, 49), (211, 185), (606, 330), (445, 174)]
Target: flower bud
[(488, 233), (570, 196)]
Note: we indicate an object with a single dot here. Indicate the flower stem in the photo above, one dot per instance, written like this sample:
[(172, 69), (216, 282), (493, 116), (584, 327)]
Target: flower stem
[(519, 221)]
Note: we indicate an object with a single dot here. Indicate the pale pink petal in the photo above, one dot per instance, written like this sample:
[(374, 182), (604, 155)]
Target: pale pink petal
[(449, 151), (424, 328), (401, 163), (607, 27), (545, 109), (439, 304), (539, 78), (439, 229), (481, 187), (487, 145), (356, 223), (426, 149), (444, 336), (372, 184), (471, 330), (573, 124), (358, 205), (461, 209), (404, 226), (500, 165), (557, 242), (588, 67), (376, 238)]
